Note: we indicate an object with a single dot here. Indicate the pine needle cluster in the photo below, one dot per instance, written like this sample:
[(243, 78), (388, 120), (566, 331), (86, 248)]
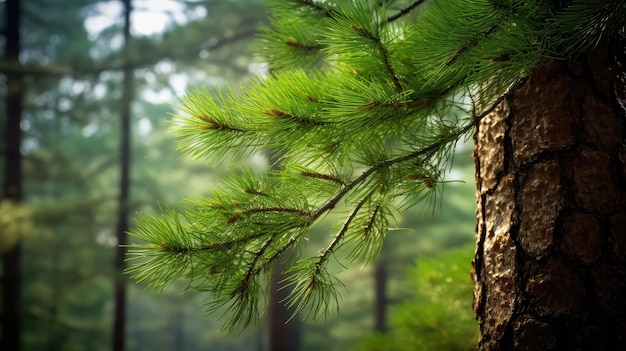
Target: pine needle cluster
[(364, 105)]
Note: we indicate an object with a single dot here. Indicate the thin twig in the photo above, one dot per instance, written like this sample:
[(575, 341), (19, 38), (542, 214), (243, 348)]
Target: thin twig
[(405, 11), (342, 232), (392, 73)]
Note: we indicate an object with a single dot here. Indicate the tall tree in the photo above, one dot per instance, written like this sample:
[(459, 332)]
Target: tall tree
[(119, 318), (374, 131), (380, 295), (284, 333), (12, 187)]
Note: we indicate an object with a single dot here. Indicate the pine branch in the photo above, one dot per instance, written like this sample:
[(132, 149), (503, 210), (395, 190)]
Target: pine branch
[(405, 11), (383, 53), (317, 6), (581, 25), (307, 285), (323, 258), (252, 270)]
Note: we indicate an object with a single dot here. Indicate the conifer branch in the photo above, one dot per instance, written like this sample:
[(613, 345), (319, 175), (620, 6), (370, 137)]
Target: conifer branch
[(387, 62), (229, 244), (317, 7), (322, 176), (213, 124), (277, 210), (342, 232), (405, 11), (418, 154), (383, 53), (469, 45), (252, 270), (296, 44)]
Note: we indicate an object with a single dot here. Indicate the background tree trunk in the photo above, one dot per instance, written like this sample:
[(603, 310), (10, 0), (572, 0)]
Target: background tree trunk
[(12, 188), (550, 267), (119, 318), (380, 294), (284, 334)]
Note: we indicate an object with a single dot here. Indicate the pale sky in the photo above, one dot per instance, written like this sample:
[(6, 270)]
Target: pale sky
[(148, 16)]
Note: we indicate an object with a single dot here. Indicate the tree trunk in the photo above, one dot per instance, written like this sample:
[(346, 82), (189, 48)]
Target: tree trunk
[(284, 334), (119, 318), (380, 295), (550, 267), (12, 187)]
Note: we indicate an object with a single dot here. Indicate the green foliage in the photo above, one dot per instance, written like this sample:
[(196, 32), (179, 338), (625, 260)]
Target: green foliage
[(363, 110), (439, 315), (16, 221), (576, 33)]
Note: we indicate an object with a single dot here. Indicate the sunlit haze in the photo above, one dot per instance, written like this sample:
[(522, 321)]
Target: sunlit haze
[(148, 16)]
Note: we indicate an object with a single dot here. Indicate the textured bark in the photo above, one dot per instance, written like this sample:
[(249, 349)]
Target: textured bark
[(550, 264)]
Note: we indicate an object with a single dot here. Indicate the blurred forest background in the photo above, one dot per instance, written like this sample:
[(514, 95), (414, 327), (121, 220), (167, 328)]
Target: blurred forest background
[(98, 82)]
